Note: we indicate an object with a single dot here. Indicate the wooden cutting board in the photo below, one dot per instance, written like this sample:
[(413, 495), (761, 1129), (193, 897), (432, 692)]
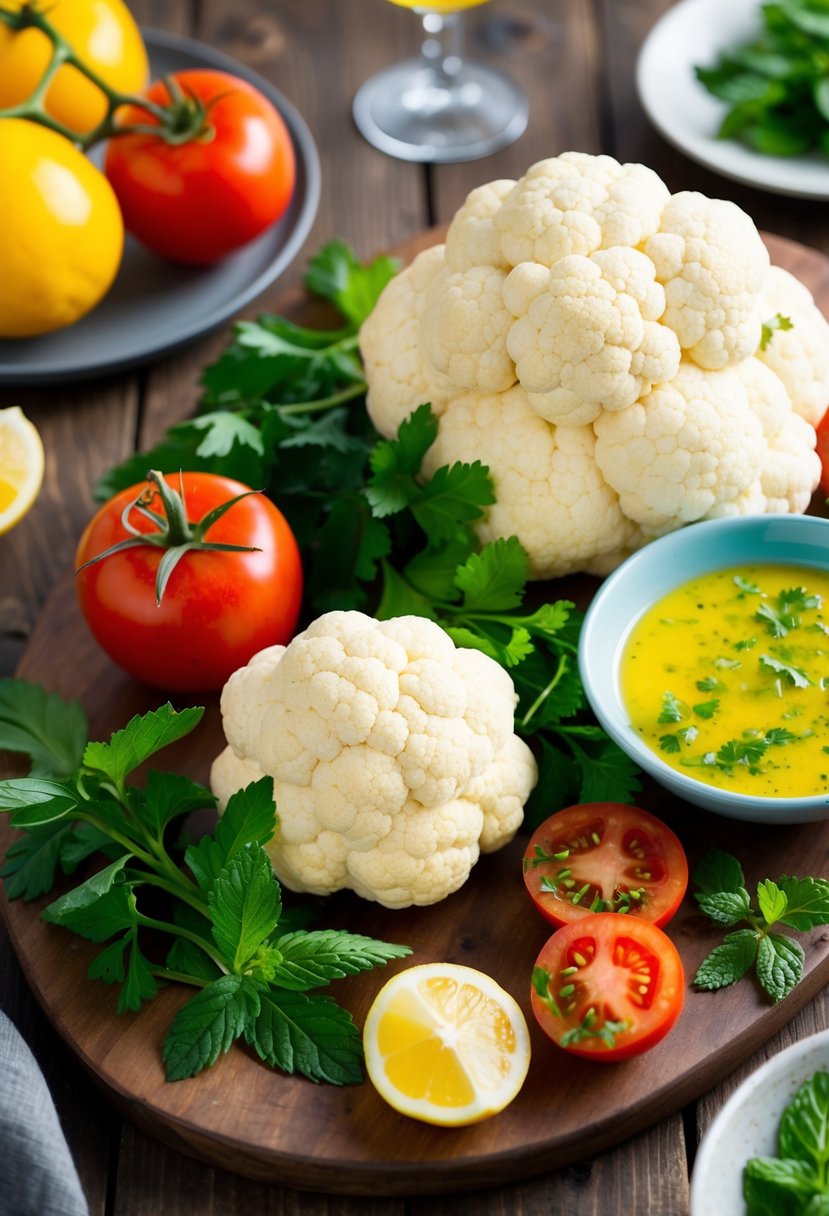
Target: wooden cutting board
[(242, 1116)]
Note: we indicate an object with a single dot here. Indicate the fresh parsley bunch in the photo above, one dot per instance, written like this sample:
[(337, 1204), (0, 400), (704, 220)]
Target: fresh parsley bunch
[(796, 903), (776, 85), (231, 940)]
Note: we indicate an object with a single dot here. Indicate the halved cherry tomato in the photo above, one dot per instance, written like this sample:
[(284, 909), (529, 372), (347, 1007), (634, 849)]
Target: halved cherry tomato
[(605, 857), (823, 451), (608, 987)]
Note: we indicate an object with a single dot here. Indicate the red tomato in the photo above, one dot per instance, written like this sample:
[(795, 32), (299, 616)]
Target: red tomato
[(608, 987), (198, 200), (823, 451), (605, 857), (218, 608)]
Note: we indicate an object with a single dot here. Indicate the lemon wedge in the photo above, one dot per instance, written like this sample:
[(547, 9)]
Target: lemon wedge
[(21, 465), (446, 1044)]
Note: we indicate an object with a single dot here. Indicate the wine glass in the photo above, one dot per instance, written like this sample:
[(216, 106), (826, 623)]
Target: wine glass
[(440, 107)]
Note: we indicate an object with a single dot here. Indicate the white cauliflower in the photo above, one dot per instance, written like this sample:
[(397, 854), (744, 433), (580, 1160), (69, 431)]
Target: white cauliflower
[(392, 754), (600, 345)]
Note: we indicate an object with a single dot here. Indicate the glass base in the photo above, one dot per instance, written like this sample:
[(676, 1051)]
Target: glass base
[(410, 112)]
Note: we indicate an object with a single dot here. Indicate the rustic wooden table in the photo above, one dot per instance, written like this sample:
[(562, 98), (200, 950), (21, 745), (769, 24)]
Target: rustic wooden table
[(576, 60)]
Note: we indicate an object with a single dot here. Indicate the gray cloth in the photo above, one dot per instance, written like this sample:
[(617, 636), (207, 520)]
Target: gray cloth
[(37, 1173)]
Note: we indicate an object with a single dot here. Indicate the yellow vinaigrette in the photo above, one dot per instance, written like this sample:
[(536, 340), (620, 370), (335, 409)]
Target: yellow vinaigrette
[(727, 679)]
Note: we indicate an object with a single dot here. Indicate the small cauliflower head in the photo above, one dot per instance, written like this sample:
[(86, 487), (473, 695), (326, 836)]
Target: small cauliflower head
[(392, 753)]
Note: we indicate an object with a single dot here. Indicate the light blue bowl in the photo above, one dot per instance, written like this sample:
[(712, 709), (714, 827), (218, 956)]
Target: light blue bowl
[(652, 572)]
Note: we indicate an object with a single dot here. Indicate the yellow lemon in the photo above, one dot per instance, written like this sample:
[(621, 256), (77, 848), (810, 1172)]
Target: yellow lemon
[(446, 1044), (21, 465)]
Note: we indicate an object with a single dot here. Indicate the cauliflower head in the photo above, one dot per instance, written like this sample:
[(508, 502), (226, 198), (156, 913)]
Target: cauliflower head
[(392, 753), (613, 353)]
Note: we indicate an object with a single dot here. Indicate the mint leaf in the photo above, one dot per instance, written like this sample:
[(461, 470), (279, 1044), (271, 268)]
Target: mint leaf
[(208, 1024), (244, 903), (775, 1187), (729, 961), (312, 959), (186, 958), (52, 732), (250, 816), (804, 1127), (494, 579), (772, 901), (807, 902), (142, 737), (779, 964), (726, 907), (718, 871), (311, 1035)]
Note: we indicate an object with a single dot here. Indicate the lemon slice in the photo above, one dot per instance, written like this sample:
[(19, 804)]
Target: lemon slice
[(21, 465), (446, 1044)]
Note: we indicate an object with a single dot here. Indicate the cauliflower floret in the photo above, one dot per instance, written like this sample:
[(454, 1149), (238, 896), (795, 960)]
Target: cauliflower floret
[(587, 336), (576, 203), (548, 488), (473, 239), (713, 264), (463, 333), (681, 450), (798, 356), (399, 378), (391, 751)]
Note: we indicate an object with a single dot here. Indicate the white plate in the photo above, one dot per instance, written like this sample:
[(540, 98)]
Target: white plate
[(153, 307), (694, 32), (747, 1126)]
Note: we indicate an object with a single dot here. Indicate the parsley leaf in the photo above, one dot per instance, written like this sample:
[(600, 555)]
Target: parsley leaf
[(141, 738), (672, 709), (771, 326), (50, 731), (795, 675)]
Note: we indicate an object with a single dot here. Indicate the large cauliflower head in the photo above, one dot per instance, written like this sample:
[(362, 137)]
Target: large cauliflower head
[(392, 754), (596, 342)]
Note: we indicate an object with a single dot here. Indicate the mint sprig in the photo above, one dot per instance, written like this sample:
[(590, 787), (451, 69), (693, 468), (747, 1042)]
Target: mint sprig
[(225, 917), (796, 1179), (777, 958)]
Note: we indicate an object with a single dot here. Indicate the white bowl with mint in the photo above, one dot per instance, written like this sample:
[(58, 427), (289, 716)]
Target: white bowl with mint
[(778, 1121)]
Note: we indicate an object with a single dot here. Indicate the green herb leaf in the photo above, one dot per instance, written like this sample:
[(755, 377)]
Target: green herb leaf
[(494, 579), (729, 961), (775, 1187), (725, 907), (32, 860), (607, 773), (706, 709), (141, 738), (771, 900), (98, 908), (395, 462), (137, 981), (718, 871), (165, 797), (250, 816), (244, 903), (34, 801), (208, 1024), (779, 964), (804, 1127), (453, 497), (807, 902), (795, 675), (312, 959), (307, 1034), (672, 710), (336, 274), (771, 326), (41, 725)]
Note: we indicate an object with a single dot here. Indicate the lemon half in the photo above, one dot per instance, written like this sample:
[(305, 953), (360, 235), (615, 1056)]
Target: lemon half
[(446, 1044), (21, 465)]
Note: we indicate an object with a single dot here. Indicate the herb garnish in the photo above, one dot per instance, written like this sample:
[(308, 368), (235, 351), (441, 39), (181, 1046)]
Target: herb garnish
[(230, 938), (797, 1180), (797, 903)]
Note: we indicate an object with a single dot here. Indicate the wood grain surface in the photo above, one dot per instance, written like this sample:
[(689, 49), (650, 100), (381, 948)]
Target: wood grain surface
[(244, 1117)]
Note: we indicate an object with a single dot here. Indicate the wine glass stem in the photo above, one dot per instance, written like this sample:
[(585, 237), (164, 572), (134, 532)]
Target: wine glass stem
[(441, 49)]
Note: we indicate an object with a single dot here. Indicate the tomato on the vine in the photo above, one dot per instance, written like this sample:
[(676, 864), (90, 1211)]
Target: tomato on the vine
[(196, 199), (104, 36), (605, 857), (218, 605), (608, 987)]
